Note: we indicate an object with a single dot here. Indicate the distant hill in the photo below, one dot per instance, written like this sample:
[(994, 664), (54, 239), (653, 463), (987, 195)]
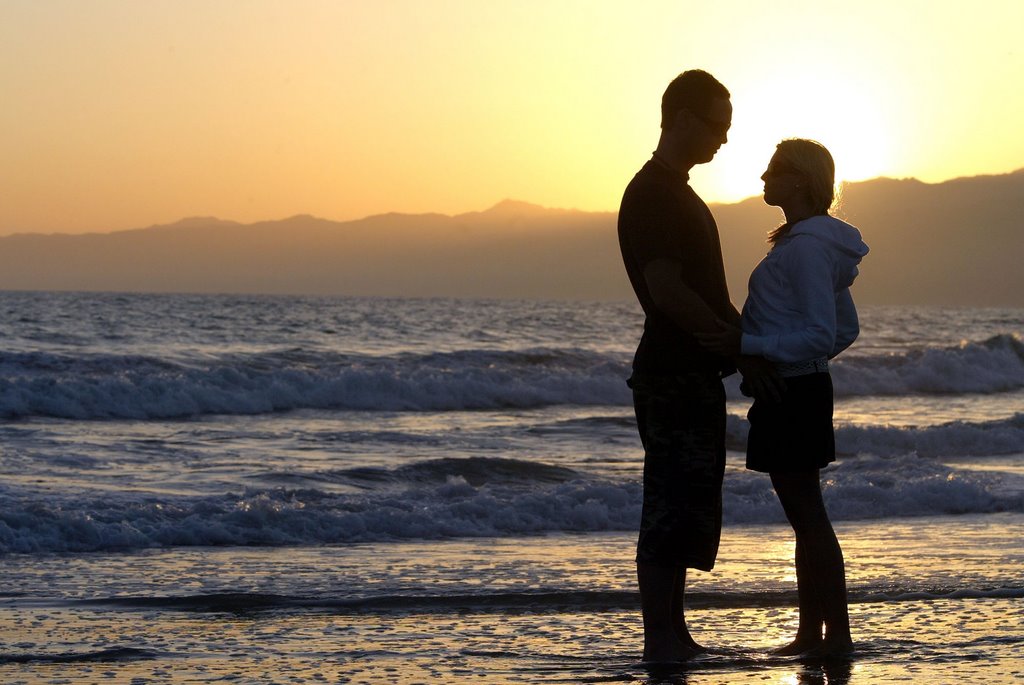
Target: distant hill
[(960, 242), (954, 243)]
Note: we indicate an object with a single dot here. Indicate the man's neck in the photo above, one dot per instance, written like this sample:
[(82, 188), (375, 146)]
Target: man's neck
[(666, 155)]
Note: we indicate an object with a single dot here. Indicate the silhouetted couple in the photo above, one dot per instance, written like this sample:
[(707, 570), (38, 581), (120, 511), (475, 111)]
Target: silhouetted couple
[(798, 315)]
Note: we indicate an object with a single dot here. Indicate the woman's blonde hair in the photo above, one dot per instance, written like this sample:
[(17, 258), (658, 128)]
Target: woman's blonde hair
[(813, 161)]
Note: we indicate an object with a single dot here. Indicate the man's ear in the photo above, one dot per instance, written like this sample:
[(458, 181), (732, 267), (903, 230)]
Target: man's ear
[(681, 119)]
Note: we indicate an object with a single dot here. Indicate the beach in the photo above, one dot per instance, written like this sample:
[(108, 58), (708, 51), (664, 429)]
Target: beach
[(289, 489), (561, 608)]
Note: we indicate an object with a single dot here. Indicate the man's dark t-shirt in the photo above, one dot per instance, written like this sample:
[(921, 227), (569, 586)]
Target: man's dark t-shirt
[(662, 218)]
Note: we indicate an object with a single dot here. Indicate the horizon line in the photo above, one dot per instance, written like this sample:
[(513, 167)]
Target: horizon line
[(493, 208)]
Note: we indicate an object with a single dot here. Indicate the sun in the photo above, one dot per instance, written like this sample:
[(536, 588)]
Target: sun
[(844, 116)]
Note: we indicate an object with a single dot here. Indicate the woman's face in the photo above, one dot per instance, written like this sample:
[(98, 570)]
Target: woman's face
[(781, 181)]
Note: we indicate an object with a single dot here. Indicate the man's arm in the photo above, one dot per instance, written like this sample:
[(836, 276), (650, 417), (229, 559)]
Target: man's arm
[(735, 317), (691, 313), (677, 300)]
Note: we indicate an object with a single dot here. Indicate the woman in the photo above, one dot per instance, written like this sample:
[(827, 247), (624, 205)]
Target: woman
[(798, 315)]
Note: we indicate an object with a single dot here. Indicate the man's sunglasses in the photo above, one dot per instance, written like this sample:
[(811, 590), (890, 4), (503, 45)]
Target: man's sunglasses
[(719, 128)]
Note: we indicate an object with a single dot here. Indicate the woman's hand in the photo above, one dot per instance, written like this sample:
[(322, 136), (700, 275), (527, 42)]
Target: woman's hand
[(760, 379)]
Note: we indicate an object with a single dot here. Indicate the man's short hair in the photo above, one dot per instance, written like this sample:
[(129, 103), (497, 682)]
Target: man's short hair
[(694, 89)]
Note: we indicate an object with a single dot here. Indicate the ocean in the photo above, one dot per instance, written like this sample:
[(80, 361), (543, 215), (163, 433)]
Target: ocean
[(202, 488)]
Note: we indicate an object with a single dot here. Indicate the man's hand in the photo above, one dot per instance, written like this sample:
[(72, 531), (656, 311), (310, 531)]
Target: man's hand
[(760, 379), (725, 340)]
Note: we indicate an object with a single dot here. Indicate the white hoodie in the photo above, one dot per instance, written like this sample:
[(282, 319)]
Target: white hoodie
[(798, 304)]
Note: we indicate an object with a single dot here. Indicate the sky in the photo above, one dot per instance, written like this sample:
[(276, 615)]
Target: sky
[(120, 114)]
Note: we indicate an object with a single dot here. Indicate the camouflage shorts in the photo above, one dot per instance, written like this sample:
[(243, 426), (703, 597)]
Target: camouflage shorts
[(681, 420)]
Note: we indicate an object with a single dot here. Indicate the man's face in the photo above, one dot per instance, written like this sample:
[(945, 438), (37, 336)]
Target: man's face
[(710, 129), (713, 127)]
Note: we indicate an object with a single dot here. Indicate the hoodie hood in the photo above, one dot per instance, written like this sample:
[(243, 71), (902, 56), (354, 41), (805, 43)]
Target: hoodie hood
[(844, 241)]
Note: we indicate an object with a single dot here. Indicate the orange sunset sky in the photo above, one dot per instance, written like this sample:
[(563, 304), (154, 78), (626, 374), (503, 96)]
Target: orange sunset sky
[(119, 114)]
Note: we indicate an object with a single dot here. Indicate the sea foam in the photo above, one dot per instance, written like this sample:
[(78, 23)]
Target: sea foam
[(467, 498), (110, 386)]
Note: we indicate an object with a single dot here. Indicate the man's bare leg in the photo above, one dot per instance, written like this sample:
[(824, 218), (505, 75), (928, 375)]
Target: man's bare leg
[(679, 612), (666, 638)]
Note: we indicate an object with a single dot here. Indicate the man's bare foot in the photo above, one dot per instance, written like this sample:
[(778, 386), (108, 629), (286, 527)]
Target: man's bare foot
[(831, 649), (671, 651), (688, 641), (798, 646)]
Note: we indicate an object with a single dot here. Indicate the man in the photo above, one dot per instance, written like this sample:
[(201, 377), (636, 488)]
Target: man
[(673, 256)]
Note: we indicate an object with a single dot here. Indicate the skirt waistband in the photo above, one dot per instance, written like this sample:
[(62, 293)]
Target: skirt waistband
[(819, 365)]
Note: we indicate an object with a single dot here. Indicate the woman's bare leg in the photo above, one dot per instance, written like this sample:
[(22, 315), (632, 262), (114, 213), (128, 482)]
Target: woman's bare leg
[(809, 632), (822, 582)]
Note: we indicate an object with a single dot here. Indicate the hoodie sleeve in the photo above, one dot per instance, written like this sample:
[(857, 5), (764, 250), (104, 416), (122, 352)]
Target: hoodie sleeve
[(847, 323), (813, 304)]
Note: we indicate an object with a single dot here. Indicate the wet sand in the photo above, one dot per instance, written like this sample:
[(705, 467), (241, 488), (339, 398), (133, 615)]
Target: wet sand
[(931, 641), (936, 600)]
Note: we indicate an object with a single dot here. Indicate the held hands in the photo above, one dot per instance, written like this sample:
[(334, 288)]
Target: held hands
[(724, 340), (760, 379)]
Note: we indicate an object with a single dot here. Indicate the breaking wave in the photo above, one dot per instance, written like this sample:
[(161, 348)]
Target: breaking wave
[(108, 386), (475, 497)]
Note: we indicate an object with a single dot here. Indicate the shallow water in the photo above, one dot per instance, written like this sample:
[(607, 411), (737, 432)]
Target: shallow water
[(284, 489), (932, 600), (524, 647)]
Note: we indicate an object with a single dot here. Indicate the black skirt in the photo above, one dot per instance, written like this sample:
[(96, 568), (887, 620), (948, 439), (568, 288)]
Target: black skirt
[(795, 434)]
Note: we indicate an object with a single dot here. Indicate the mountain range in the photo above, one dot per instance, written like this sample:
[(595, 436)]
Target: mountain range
[(959, 242)]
